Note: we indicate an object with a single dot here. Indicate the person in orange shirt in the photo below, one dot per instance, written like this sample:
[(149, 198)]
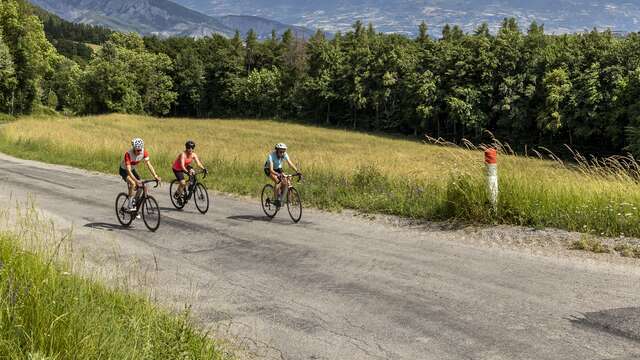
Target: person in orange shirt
[(182, 166)]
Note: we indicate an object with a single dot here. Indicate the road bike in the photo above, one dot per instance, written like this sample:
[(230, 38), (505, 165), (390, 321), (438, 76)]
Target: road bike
[(290, 196), (145, 204), (195, 190)]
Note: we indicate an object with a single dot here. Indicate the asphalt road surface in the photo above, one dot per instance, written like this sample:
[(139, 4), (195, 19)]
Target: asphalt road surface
[(339, 287)]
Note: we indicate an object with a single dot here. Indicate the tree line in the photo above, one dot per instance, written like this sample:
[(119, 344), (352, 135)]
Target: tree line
[(525, 86)]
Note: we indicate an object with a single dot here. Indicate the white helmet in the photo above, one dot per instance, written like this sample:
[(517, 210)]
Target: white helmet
[(137, 144), (281, 146)]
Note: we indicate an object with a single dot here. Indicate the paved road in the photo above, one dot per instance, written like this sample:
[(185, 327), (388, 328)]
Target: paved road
[(339, 287)]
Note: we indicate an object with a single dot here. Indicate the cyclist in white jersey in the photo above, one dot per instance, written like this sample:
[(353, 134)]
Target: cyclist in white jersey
[(273, 169), (128, 172)]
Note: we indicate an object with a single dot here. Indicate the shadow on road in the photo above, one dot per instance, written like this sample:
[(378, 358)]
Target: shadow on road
[(275, 220), (105, 226), (251, 218), (172, 209), (624, 322)]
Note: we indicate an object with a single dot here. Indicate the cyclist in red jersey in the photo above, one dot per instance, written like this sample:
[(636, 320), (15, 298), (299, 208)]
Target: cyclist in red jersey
[(128, 172), (182, 166)]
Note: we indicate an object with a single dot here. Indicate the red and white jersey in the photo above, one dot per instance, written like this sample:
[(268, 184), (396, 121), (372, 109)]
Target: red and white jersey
[(133, 159)]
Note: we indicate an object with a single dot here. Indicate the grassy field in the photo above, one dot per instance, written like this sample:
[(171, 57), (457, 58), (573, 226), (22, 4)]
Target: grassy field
[(350, 170), (48, 311)]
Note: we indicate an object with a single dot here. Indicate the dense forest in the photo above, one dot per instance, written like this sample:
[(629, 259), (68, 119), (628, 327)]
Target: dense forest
[(525, 86)]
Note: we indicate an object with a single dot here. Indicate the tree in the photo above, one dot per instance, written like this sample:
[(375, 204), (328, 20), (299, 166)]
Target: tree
[(251, 52), (423, 34), (52, 100), (357, 60), (268, 51), (258, 93), (124, 77), (31, 54), (557, 88), (189, 81), (513, 86), (291, 64), (223, 64), (8, 79), (109, 84), (423, 86), (324, 62), (65, 83)]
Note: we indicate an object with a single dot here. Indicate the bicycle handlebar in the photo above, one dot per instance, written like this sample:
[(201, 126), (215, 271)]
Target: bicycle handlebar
[(298, 175), (145, 182), (197, 172)]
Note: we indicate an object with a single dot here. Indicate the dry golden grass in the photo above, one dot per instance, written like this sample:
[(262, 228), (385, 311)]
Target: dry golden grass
[(362, 171), (250, 140)]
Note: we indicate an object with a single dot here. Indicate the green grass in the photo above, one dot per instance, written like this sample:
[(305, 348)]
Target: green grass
[(54, 306), (49, 312), (5, 118), (588, 243), (628, 250), (376, 174)]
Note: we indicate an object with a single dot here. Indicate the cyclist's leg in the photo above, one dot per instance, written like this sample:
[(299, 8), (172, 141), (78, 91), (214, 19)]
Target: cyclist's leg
[(268, 174), (132, 186), (277, 188), (182, 182)]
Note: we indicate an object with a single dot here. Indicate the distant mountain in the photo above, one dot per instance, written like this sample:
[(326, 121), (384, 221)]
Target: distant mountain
[(158, 17), (262, 26), (404, 16)]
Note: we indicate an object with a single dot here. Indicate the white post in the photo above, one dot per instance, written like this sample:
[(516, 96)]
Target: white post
[(490, 159)]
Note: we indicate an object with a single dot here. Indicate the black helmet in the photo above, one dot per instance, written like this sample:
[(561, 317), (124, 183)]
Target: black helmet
[(190, 144)]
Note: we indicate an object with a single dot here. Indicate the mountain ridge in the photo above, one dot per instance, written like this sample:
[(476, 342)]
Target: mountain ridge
[(404, 16), (159, 17)]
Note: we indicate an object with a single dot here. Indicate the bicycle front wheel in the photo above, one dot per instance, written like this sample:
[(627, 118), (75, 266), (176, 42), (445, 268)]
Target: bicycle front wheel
[(267, 204), (151, 213), (201, 198), (179, 202), (294, 205), (125, 218)]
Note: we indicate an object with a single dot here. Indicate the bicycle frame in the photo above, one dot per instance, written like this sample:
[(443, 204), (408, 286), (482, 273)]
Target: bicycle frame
[(193, 182), (141, 192), (285, 192), (283, 199), (145, 205)]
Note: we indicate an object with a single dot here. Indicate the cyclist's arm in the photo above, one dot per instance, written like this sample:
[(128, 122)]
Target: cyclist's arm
[(197, 159), (292, 166), (153, 171)]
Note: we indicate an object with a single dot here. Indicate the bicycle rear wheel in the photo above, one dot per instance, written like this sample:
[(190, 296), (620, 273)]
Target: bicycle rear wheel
[(294, 205), (179, 202), (201, 198), (267, 204), (151, 213), (125, 218)]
